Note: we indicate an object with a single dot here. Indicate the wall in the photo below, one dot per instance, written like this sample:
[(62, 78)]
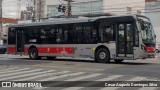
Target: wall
[(119, 7), (111, 6), (78, 8)]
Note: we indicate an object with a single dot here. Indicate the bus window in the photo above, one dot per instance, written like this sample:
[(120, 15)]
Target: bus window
[(48, 35), (59, 38), (32, 35), (78, 33), (75, 34), (121, 32), (87, 33), (12, 36), (62, 34), (136, 37), (107, 33)]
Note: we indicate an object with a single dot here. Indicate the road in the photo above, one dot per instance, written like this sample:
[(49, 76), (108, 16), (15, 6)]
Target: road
[(20, 68)]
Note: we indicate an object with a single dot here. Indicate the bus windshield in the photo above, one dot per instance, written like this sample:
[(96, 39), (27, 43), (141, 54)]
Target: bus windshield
[(148, 36)]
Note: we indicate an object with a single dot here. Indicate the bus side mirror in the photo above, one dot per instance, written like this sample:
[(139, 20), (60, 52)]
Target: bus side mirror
[(155, 36)]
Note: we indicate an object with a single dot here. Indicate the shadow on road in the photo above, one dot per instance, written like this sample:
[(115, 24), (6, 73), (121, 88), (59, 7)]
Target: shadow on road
[(44, 60)]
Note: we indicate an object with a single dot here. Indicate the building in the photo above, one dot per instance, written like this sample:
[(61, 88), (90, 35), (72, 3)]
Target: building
[(40, 9), (80, 7), (152, 8), (26, 15), (5, 23)]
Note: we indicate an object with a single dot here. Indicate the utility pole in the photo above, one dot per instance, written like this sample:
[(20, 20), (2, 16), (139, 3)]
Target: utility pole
[(40, 11), (18, 9), (1, 18), (34, 11), (69, 13)]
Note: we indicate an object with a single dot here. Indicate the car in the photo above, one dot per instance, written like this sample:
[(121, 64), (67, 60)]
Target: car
[(3, 48), (157, 48)]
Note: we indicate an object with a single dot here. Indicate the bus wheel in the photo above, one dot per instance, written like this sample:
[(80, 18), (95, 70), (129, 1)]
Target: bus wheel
[(51, 58), (102, 56), (33, 54), (119, 60)]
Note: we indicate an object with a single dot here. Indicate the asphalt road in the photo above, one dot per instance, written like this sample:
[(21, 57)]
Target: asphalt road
[(20, 68)]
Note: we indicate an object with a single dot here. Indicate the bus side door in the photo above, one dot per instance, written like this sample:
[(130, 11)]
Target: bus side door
[(125, 40), (20, 40)]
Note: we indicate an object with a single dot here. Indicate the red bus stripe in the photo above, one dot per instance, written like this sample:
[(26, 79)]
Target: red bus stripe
[(51, 50), (11, 49)]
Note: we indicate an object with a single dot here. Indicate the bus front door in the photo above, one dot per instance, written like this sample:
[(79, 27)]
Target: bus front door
[(20, 41), (125, 40)]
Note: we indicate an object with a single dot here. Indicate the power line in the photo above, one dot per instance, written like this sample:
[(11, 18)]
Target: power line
[(61, 2)]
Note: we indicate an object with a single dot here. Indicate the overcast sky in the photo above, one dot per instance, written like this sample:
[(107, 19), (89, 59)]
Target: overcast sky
[(10, 6)]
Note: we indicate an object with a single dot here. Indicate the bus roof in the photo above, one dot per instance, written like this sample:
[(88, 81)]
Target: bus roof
[(66, 21)]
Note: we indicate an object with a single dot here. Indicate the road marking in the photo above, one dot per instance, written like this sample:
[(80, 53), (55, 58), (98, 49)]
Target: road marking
[(14, 70), (148, 88), (72, 79), (7, 69), (9, 74), (133, 79), (18, 76), (90, 83), (84, 77), (56, 77), (61, 76), (83, 68), (137, 79), (37, 76)]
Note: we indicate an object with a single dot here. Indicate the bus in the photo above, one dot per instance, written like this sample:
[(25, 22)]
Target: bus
[(103, 38)]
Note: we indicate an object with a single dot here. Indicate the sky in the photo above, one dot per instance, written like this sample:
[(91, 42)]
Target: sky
[(10, 6)]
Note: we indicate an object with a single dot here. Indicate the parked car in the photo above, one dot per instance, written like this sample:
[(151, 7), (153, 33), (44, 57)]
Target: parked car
[(3, 48), (157, 48)]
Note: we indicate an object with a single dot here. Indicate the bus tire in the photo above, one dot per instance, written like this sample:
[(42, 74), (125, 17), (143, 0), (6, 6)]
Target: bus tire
[(51, 57), (33, 54), (118, 60), (102, 56)]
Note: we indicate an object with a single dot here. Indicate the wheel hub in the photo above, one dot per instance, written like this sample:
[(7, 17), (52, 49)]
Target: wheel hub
[(102, 55), (33, 54)]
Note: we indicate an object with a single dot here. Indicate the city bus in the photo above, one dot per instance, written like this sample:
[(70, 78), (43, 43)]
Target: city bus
[(103, 38)]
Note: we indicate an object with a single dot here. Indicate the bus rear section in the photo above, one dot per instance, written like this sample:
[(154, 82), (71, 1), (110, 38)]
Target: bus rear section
[(102, 38)]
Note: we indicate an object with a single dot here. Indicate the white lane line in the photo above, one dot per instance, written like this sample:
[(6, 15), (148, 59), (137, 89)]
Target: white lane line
[(72, 79), (137, 79), (22, 72), (23, 75), (9, 71), (148, 88), (133, 79), (91, 83), (38, 76), (84, 77), (61, 76), (78, 78)]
